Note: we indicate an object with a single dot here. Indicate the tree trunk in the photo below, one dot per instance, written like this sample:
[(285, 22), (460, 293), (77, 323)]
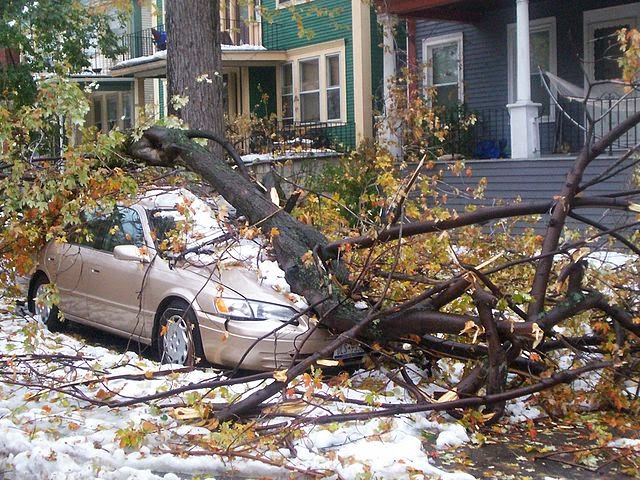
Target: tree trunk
[(194, 65)]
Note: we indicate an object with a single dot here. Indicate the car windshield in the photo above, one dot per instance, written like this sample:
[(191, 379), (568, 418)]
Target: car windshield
[(179, 220)]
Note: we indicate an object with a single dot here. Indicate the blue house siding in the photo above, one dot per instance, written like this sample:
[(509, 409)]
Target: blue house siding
[(538, 181), (485, 57)]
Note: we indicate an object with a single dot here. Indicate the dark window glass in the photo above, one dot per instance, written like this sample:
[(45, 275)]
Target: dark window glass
[(124, 228), (606, 52)]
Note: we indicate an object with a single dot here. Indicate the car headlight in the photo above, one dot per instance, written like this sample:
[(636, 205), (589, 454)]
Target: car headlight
[(244, 309)]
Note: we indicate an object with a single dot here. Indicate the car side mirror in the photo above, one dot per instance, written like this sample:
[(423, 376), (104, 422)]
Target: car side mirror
[(129, 253)]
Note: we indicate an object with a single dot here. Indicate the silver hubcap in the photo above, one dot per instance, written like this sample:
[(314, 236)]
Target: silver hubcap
[(41, 309), (176, 340)]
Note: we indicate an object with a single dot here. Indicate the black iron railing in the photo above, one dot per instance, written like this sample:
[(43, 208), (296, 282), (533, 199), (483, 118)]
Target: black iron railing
[(145, 42), (239, 32), (475, 133), (149, 41), (565, 133), (305, 139)]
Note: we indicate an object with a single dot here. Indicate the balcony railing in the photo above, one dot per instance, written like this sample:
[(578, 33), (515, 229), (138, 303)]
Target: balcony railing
[(238, 32), (143, 43)]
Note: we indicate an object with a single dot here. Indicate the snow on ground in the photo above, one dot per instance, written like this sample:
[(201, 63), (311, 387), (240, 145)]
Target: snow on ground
[(258, 158), (47, 434)]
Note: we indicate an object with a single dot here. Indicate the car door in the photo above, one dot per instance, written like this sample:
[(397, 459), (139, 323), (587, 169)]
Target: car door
[(114, 287), (64, 263)]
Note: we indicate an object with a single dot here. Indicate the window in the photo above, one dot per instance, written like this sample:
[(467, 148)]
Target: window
[(333, 87), (542, 47), (601, 50), (309, 90), (97, 114), (106, 231), (126, 111), (443, 56), (287, 93), (112, 112), (125, 228), (312, 84), (289, 3), (606, 52)]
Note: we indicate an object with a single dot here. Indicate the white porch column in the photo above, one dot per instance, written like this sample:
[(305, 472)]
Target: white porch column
[(525, 133), (388, 135)]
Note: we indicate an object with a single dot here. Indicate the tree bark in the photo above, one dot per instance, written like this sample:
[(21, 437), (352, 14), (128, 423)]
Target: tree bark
[(194, 65)]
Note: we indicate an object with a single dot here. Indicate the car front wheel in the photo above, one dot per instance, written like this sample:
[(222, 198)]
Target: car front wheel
[(178, 336), (46, 313)]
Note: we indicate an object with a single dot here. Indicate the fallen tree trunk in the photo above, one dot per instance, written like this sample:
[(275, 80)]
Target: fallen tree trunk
[(313, 269)]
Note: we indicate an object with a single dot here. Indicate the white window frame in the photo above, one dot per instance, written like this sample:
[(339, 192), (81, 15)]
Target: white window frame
[(547, 24), (321, 62), (119, 96), (282, 94), (290, 3), (602, 17), (320, 51), (330, 88), (427, 48)]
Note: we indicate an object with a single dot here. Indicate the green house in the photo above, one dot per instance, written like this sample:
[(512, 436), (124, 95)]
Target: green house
[(315, 65)]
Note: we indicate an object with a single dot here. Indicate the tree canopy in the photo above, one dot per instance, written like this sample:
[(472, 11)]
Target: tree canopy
[(53, 36)]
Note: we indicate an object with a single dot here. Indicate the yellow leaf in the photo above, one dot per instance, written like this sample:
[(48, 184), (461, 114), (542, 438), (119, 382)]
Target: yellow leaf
[(280, 375), (294, 407), (186, 413), (73, 426), (328, 363), (148, 375), (148, 426), (472, 329), (450, 396), (275, 232), (538, 334)]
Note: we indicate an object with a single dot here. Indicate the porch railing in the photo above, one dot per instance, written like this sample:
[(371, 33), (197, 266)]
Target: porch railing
[(305, 139), (565, 134), (560, 133), (488, 137)]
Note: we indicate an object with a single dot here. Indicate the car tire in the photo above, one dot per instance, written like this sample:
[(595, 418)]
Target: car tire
[(177, 335), (49, 315)]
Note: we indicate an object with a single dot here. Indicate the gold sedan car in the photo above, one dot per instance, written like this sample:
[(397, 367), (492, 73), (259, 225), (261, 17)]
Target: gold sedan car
[(211, 300)]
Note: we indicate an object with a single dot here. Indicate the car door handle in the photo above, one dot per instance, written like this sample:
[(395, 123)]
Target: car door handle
[(95, 270)]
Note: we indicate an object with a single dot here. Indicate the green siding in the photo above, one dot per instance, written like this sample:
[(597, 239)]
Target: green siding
[(377, 73), (161, 98), (262, 81), (136, 26), (109, 86), (321, 21)]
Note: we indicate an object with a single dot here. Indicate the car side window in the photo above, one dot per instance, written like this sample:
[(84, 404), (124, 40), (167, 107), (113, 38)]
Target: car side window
[(124, 228), (91, 232)]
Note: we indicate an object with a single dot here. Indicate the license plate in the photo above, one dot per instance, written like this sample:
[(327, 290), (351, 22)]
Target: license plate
[(348, 350)]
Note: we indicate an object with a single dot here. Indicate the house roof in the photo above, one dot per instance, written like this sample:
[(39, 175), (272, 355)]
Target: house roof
[(155, 66), (457, 10)]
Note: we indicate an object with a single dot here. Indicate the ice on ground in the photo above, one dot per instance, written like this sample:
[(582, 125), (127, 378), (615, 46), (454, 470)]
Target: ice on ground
[(454, 436), (49, 435)]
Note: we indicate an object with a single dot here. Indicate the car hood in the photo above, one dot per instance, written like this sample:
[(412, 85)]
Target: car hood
[(239, 281)]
